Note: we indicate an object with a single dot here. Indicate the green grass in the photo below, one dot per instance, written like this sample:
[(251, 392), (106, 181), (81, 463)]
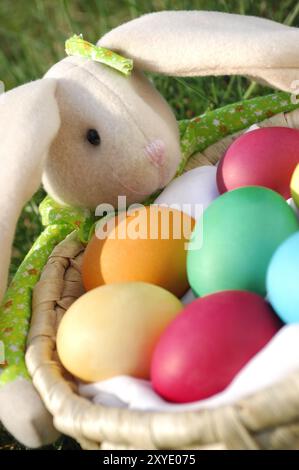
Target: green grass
[(32, 35)]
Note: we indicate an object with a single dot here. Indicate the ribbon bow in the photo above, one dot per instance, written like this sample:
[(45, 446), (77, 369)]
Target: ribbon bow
[(77, 46)]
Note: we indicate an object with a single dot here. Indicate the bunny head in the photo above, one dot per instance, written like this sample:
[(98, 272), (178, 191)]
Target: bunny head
[(118, 136)]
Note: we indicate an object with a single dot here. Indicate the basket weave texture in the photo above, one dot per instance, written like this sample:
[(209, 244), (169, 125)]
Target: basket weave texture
[(268, 419)]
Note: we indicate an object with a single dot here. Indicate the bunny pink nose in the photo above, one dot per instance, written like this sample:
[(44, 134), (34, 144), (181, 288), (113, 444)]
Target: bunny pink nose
[(155, 151)]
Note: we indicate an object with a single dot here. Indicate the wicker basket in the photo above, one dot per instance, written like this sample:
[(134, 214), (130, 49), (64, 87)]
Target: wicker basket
[(268, 419)]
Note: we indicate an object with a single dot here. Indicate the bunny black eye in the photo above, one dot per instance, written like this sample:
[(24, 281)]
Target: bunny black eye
[(93, 137)]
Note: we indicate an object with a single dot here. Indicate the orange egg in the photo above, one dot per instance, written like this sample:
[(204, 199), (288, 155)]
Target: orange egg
[(148, 245)]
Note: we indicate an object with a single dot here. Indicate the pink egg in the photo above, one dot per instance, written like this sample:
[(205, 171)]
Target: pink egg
[(263, 157), (203, 348)]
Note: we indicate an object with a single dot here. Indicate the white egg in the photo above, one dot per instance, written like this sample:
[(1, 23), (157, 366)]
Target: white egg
[(192, 192)]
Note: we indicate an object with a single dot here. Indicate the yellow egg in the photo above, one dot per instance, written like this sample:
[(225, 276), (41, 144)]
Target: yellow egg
[(295, 186), (113, 330)]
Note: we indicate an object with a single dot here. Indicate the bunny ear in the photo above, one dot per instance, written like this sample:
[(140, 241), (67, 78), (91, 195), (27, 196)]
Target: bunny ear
[(29, 121), (199, 43)]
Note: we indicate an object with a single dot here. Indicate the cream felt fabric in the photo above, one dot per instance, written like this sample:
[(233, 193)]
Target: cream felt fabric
[(194, 43), (24, 415), (130, 116), (29, 120)]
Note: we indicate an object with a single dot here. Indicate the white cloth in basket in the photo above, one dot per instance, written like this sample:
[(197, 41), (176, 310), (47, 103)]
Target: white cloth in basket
[(275, 361)]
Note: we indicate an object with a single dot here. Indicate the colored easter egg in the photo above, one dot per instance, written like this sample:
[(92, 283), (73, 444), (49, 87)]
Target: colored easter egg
[(282, 280), (295, 186), (234, 241), (263, 157), (203, 349), (112, 330), (148, 245), (192, 192)]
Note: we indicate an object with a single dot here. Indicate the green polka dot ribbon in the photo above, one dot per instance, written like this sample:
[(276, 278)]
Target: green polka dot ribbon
[(196, 135), (202, 131), (77, 46)]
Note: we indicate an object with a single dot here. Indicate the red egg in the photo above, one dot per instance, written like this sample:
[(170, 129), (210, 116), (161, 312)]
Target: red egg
[(203, 348), (262, 157)]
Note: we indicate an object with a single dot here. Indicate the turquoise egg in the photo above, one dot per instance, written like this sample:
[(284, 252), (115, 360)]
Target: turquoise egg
[(283, 280)]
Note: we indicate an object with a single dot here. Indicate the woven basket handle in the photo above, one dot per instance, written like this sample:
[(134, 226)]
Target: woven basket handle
[(201, 43)]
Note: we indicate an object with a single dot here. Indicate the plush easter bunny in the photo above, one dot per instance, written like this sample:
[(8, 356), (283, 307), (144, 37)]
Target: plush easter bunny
[(91, 134)]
